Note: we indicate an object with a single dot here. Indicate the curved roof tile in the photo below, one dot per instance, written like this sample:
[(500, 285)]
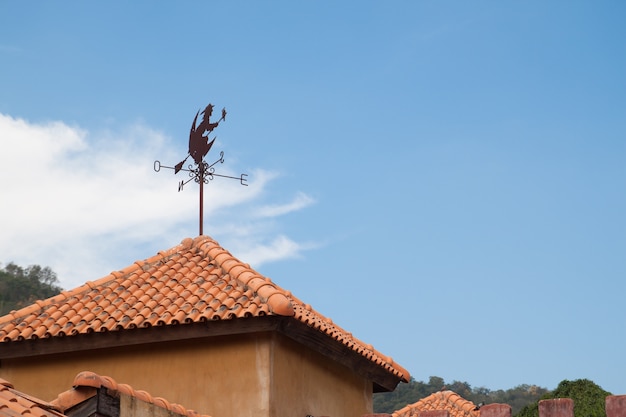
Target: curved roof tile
[(15, 403), (456, 405), (87, 379), (195, 281)]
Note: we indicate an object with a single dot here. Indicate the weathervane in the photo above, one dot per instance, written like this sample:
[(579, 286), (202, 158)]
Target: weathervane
[(199, 145)]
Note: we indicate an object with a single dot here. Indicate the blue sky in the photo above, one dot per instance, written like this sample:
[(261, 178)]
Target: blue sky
[(446, 180)]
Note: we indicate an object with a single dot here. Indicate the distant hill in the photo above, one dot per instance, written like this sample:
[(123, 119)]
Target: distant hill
[(517, 397), (20, 286)]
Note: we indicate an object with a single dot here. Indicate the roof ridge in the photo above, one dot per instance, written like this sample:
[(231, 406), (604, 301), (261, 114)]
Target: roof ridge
[(450, 397), (93, 380), (328, 322), (276, 298)]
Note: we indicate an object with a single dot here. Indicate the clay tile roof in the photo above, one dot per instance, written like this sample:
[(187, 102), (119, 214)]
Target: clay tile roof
[(86, 382), (17, 404), (196, 281), (456, 405)]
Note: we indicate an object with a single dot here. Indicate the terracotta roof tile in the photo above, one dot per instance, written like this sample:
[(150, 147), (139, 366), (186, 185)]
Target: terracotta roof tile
[(85, 384), (456, 405), (14, 403), (195, 281)]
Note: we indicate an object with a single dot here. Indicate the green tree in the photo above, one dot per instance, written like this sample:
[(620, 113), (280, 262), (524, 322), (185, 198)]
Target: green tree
[(20, 286), (589, 399), (462, 388), (405, 394), (410, 393), (519, 396)]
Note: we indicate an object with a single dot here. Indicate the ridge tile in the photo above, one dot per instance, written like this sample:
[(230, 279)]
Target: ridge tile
[(446, 400), (86, 383)]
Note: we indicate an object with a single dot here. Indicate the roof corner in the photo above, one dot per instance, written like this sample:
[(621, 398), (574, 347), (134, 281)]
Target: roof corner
[(87, 379), (280, 304), (87, 383)]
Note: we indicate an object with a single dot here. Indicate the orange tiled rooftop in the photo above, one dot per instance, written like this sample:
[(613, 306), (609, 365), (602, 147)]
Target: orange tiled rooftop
[(456, 405), (197, 281), (86, 383), (15, 403)]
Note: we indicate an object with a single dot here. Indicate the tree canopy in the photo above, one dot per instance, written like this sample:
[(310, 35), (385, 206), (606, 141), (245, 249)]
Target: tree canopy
[(20, 286), (406, 394), (589, 399)]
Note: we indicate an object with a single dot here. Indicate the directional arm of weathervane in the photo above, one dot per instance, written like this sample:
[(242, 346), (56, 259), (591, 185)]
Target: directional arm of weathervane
[(182, 184), (221, 160), (158, 166), (241, 178)]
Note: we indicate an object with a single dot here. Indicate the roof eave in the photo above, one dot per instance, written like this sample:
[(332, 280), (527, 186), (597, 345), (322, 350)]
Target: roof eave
[(137, 336), (383, 379)]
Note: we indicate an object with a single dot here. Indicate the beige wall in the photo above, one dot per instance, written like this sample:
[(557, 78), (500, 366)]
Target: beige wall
[(201, 375), (261, 374), (306, 383)]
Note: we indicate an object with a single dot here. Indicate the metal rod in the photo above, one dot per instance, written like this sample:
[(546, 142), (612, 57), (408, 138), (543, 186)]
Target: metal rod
[(201, 195)]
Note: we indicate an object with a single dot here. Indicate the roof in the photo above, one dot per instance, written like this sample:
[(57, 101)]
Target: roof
[(197, 281), (14, 403), (456, 405), (86, 383)]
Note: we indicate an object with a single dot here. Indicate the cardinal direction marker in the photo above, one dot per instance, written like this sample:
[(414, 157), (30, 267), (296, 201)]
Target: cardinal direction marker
[(199, 146)]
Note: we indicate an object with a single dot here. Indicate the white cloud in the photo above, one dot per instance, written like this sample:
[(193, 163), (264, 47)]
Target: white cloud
[(278, 248), (85, 203), (300, 201)]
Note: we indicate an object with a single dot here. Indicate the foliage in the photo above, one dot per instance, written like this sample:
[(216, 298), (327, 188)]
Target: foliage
[(414, 391), (517, 397), (20, 287), (589, 399), (405, 394)]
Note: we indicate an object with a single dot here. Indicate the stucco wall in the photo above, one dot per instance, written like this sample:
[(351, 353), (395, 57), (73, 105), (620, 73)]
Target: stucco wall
[(261, 374), (307, 383), (221, 376)]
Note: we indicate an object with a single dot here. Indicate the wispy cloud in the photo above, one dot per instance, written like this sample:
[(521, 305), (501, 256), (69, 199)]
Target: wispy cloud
[(300, 201), (85, 203), (280, 247)]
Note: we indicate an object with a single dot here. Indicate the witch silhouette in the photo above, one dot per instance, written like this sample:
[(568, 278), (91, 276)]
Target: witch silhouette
[(199, 144)]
